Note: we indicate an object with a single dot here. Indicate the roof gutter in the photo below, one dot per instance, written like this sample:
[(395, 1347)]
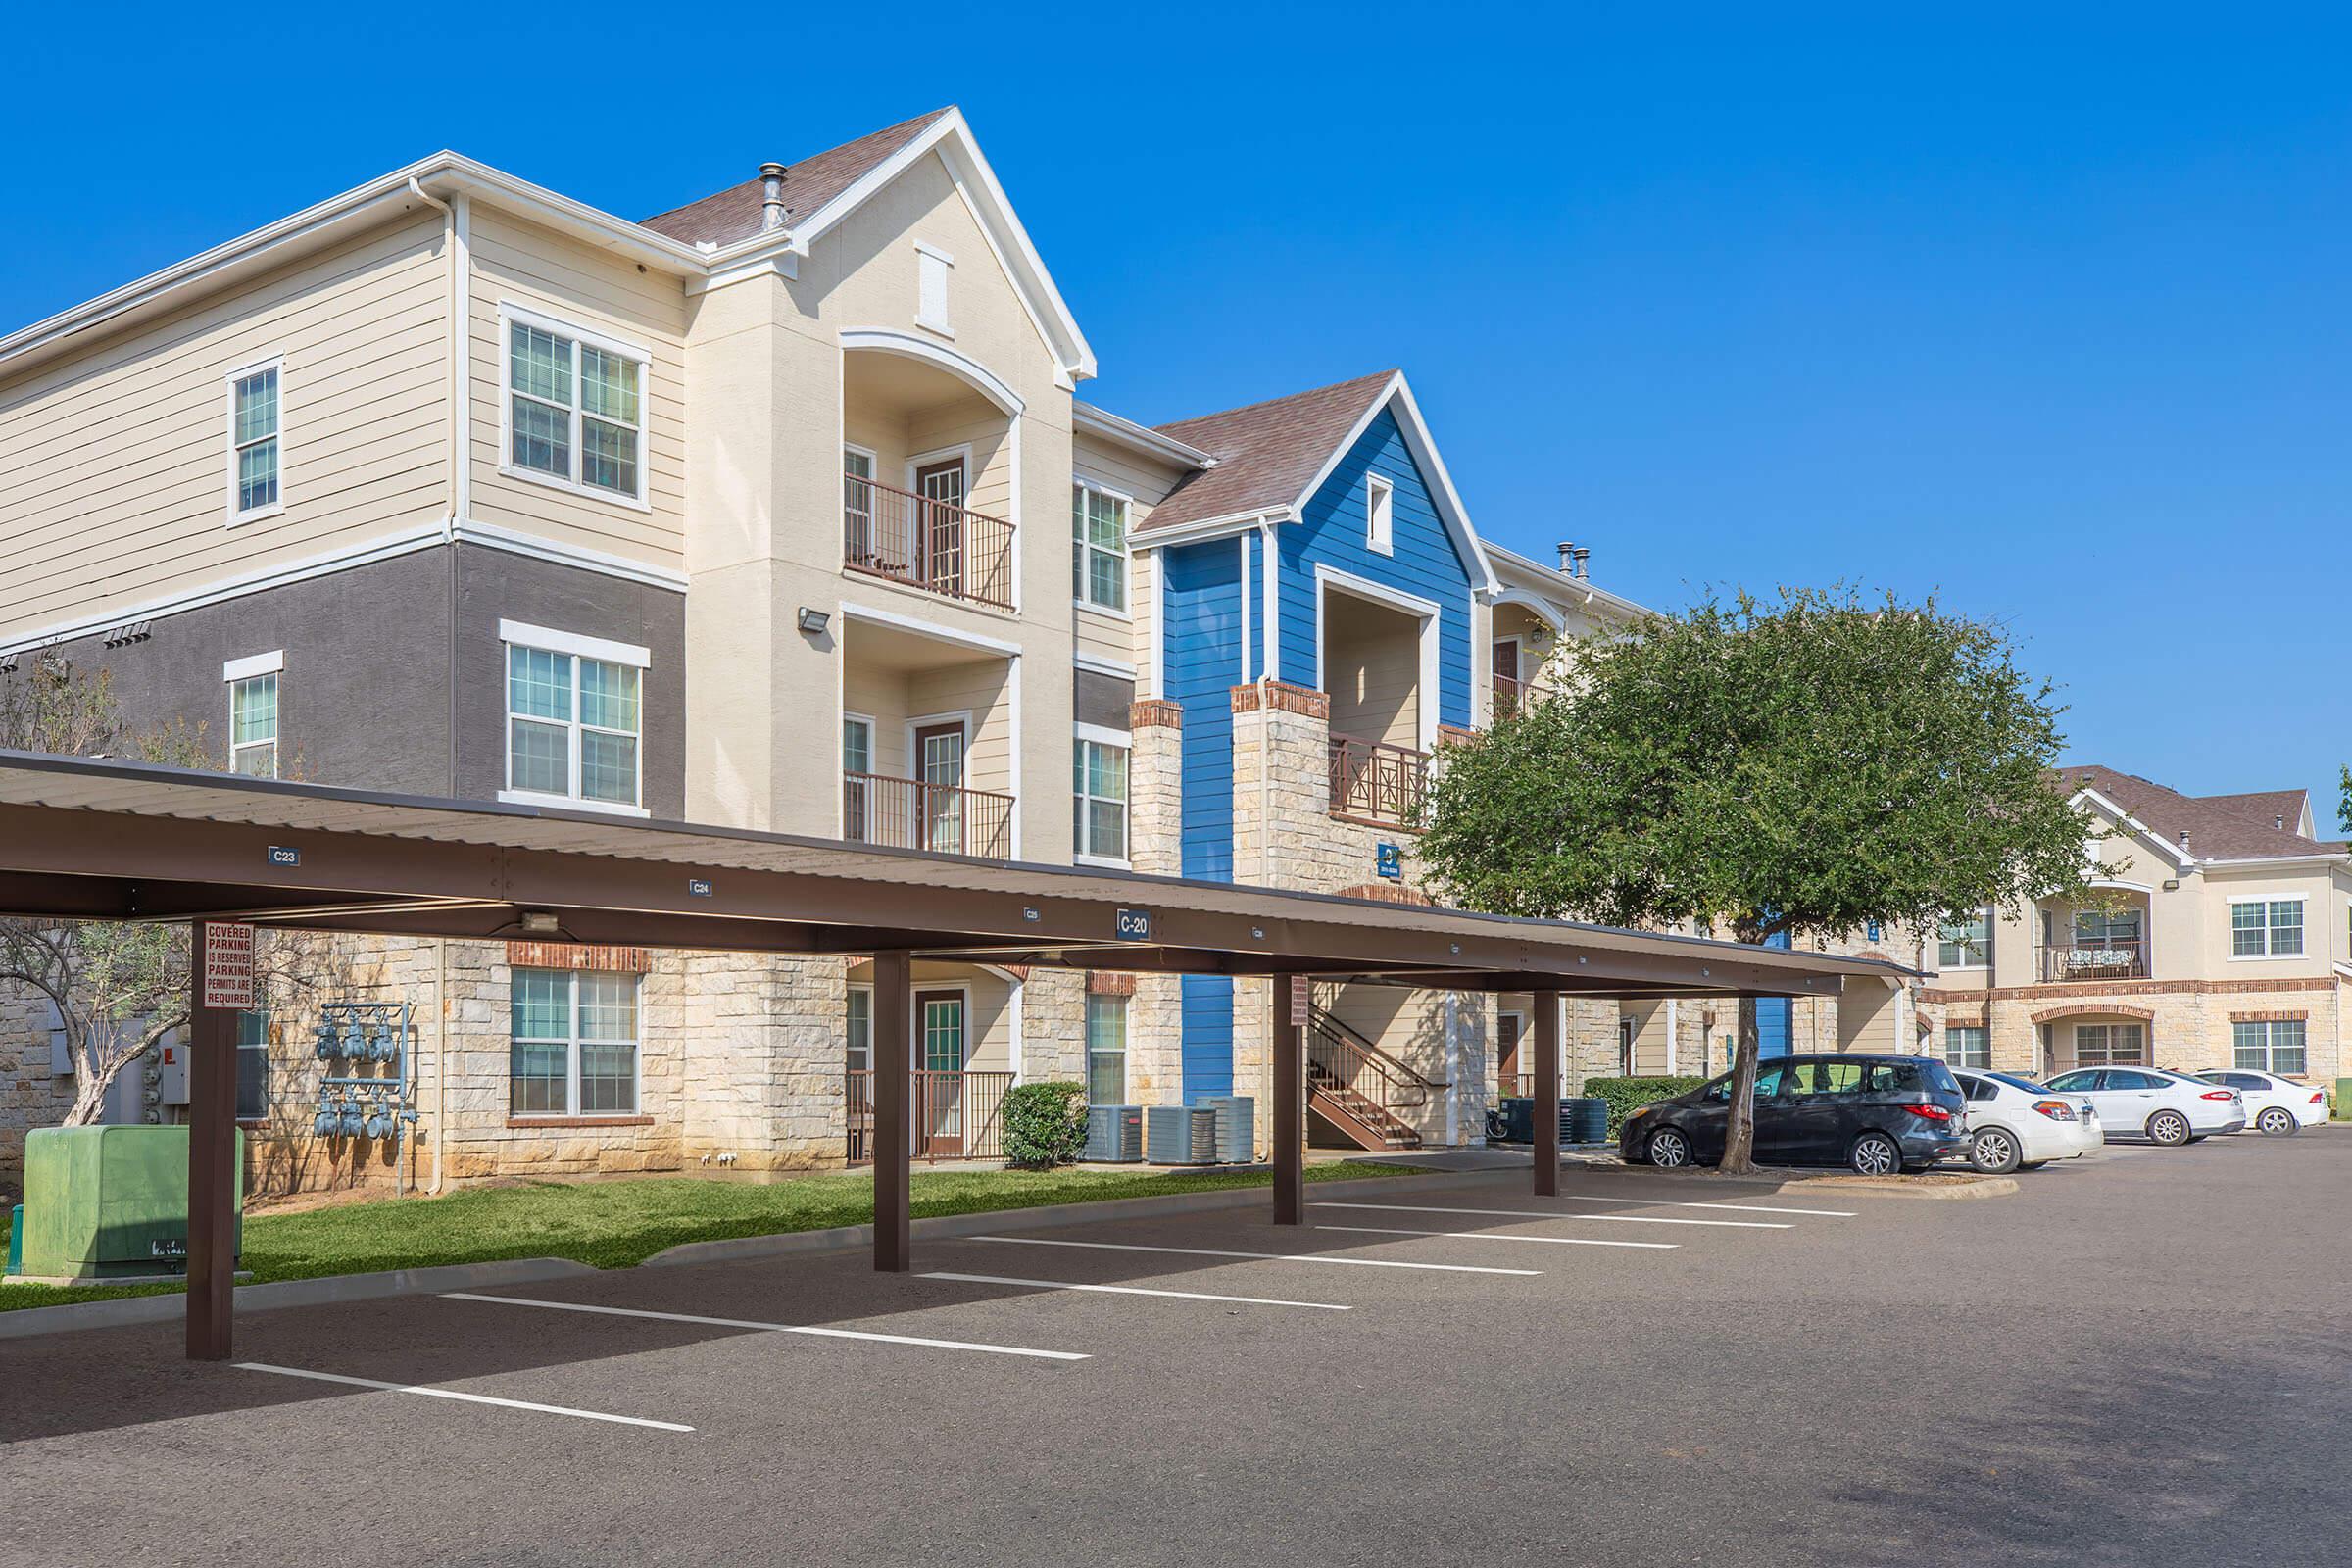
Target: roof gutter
[(1141, 438)]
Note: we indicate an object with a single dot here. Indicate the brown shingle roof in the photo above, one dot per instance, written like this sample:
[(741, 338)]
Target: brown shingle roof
[(1266, 451), (734, 214), (2219, 827)]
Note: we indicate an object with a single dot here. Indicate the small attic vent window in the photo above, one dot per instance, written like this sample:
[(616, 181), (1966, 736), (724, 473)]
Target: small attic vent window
[(1380, 532), (931, 267)]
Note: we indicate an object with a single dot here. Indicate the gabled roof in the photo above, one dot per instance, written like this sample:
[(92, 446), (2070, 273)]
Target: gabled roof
[(734, 214), (2219, 827)]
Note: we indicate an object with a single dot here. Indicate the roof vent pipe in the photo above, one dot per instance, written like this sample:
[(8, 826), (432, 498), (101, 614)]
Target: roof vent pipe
[(771, 198), (2184, 838), (1567, 556), (2280, 822), (1584, 561)]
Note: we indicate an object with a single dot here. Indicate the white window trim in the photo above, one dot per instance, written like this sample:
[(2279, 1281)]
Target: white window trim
[(508, 315), (1125, 553), (961, 451), (2266, 956), (548, 640), (841, 804), (1330, 580), (1123, 740), (855, 987), (1380, 539), (571, 1056), (1943, 968), (947, 261), (1086, 1047), (233, 674), (273, 361), (269, 663)]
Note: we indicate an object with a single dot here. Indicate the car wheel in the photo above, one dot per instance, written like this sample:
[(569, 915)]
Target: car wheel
[(1669, 1149), (1875, 1155), (2277, 1122), (2169, 1128), (1996, 1151)]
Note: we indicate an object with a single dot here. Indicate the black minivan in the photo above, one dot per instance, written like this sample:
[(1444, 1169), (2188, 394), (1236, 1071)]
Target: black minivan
[(1876, 1114)]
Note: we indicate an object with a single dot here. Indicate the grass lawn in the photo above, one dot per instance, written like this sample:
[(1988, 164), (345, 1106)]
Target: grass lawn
[(619, 1224)]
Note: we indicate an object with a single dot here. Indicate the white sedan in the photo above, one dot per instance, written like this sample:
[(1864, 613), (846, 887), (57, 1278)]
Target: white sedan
[(2170, 1109), (2020, 1124), (2274, 1105)]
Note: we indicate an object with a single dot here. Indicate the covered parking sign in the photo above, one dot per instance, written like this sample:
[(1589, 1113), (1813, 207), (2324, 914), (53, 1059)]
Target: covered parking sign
[(227, 966)]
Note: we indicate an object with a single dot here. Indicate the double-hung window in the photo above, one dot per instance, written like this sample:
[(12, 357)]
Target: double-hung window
[(1100, 785), (574, 718), (1965, 942), (574, 1044), (1098, 547), (252, 452), (252, 713), (861, 1029), (2107, 1044), (2265, 928), (1106, 1051), (253, 1066), (575, 407), (2270, 1045), (1968, 1045)]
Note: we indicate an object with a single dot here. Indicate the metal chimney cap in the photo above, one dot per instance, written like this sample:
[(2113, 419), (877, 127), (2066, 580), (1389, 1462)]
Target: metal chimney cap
[(1567, 549), (771, 170)]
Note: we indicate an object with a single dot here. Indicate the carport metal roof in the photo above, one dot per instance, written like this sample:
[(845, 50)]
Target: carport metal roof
[(87, 839)]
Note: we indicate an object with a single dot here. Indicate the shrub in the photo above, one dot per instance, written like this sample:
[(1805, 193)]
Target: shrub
[(1629, 1095), (1045, 1125)]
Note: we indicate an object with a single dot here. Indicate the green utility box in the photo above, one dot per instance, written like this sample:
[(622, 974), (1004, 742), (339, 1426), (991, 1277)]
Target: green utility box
[(109, 1202), (2342, 1108)]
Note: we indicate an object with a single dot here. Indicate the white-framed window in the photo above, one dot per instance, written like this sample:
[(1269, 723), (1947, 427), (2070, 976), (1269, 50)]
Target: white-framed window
[(2111, 1045), (861, 1057), (574, 719), (1106, 1051), (1965, 942), (1380, 521), (254, 418), (253, 1066), (931, 267), (252, 713), (1098, 783), (2265, 928), (2270, 1045), (574, 406), (1098, 547), (574, 1044), (1968, 1045)]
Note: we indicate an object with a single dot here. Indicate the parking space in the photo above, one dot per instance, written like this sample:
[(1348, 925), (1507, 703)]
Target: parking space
[(1636, 1362)]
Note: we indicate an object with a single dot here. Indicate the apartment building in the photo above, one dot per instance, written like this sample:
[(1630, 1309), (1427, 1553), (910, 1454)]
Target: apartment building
[(2216, 933), (751, 513)]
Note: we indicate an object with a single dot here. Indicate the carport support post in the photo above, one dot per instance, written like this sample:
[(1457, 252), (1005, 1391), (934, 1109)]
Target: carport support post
[(893, 1128), (1548, 1094), (1289, 1056), (212, 1048)]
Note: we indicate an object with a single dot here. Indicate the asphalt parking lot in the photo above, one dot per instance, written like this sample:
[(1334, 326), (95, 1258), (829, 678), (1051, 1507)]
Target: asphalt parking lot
[(2139, 1358)]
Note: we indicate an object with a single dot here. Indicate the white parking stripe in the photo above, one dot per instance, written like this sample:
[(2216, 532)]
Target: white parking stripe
[(1134, 1289), (1500, 1236), (1547, 1214), (768, 1328), (468, 1399), (1271, 1257), (1736, 1208)]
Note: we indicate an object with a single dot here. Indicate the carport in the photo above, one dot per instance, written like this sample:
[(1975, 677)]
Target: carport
[(100, 840)]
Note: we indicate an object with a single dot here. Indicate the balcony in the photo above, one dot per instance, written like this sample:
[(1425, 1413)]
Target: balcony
[(2116, 958), (907, 814), (1510, 696), (924, 543), (1372, 781)]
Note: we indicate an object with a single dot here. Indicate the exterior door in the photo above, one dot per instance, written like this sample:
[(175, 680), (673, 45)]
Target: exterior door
[(938, 751), (940, 1046), (1507, 690), (939, 533), (1509, 1031), (1625, 1048)]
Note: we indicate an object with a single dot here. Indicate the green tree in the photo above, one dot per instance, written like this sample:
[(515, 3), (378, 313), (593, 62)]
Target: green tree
[(2343, 807), (1807, 766), (117, 989)]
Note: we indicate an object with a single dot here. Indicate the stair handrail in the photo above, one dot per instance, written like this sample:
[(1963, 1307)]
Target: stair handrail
[(1401, 1088)]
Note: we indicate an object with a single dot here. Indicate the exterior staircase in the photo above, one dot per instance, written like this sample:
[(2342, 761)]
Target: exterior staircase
[(1359, 1089)]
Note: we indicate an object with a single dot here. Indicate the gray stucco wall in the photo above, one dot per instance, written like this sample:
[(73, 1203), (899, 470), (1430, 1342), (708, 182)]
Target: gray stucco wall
[(366, 698)]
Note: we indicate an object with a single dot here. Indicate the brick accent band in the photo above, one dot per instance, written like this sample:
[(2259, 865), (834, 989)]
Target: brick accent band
[(578, 956), (1389, 892), (2269, 1017), (2103, 1010), (1454, 734), (2129, 988), (1283, 697), (1154, 712), (1110, 983)]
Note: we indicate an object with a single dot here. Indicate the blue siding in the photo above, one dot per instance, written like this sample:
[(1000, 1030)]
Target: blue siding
[(1776, 1016), (1425, 562), (1202, 645), (1207, 1036)]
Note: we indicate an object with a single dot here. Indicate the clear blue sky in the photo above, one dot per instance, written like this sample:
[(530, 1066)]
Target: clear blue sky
[(2048, 317)]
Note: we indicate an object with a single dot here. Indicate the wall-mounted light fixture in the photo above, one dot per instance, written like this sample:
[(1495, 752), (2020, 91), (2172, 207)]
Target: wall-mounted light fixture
[(540, 922), (815, 621)]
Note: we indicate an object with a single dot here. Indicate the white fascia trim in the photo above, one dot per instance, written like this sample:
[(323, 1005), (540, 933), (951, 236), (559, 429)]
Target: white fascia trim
[(569, 803), (965, 368), (551, 640), (2268, 898), (1092, 420), (2279, 860), (1451, 510), (1097, 665), (492, 537), (1270, 576), (952, 138), (2156, 840), (417, 536), (1103, 735), (929, 628), (1542, 607), (1349, 583), (251, 665), (1193, 533)]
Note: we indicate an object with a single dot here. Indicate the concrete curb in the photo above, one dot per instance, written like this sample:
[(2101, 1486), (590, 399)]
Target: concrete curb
[(1895, 1187), (333, 1288), (943, 1226)]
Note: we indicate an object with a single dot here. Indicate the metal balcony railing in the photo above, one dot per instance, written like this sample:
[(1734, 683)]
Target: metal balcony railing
[(907, 814), (1375, 781), (957, 1115), (931, 545), (2119, 959), (1511, 695)]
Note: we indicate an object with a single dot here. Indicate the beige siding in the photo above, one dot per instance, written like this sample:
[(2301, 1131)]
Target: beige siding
[(114, 464), (1374, 678), (1145, 483), (550, 276)]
